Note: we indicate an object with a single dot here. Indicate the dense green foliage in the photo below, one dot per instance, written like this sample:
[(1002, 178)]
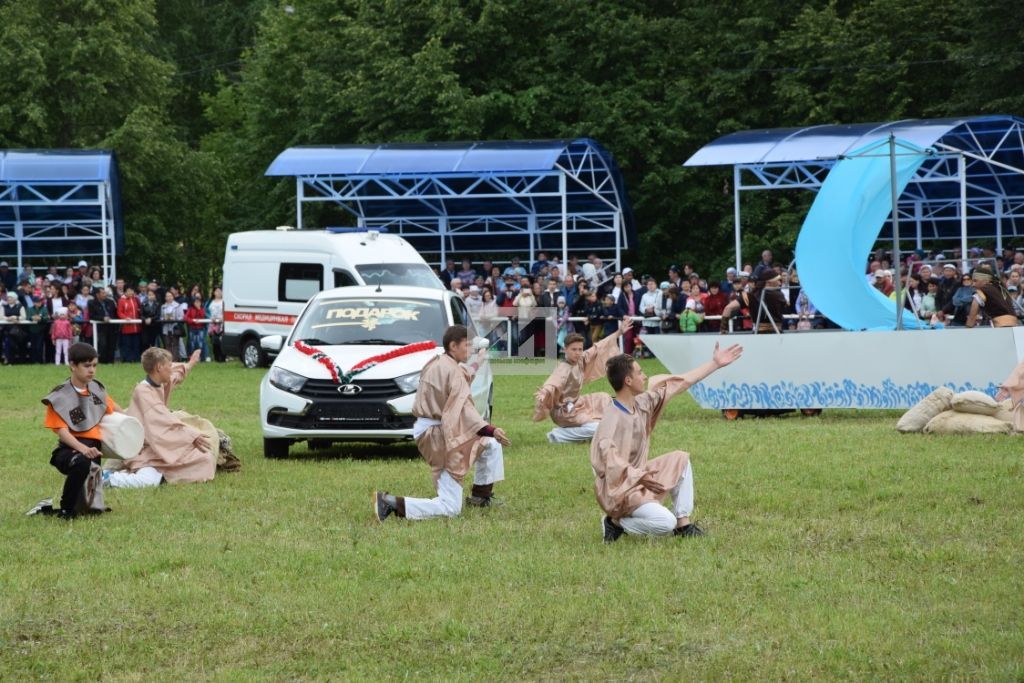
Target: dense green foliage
[(837, 549), (197, 98)]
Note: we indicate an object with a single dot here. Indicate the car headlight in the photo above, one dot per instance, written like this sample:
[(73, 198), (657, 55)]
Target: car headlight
[(287, 380), (408, 383)]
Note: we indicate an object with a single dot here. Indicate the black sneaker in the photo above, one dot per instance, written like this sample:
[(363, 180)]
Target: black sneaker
[(484, 501), (611, 530), (381, 508), (688, 530)]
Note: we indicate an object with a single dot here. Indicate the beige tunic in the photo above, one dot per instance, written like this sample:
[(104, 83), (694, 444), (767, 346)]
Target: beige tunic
[(1013, 388), (444, 394), (169, 443), (620, 448), (559, 396)]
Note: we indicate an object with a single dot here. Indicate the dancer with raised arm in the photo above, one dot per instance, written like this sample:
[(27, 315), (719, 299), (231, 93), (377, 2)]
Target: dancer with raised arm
[(576, 417), (629, 487)]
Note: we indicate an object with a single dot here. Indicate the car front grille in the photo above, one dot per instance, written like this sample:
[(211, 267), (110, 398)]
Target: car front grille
[(341, 416), (369, 389)]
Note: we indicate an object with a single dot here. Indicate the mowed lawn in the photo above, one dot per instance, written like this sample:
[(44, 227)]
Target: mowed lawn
[(836, 549)]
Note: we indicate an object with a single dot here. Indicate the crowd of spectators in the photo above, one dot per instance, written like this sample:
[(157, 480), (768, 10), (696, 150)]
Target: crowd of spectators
[(590, 300), (49, 311), (46, 312)]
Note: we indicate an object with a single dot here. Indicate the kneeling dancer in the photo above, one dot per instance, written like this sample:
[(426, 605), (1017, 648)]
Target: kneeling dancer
[(173, 451), (629, 487), (576, 417), (451, 436)]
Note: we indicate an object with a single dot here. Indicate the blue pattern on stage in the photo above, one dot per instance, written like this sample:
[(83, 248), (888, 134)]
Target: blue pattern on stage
[(845, 394)]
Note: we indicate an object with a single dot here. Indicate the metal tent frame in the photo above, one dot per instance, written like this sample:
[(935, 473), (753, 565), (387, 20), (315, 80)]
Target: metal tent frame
[(475, 198), (60, 203), (971, 185)]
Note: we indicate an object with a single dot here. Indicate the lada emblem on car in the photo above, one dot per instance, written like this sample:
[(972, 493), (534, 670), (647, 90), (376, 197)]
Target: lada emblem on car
[(349, 389)]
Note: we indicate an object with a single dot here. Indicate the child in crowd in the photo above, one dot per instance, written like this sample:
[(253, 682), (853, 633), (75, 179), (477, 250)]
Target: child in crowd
[(73, 411), (76, 319), (60, 335)]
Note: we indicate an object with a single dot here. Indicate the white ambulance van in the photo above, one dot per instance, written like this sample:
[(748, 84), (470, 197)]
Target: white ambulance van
[(269, 275)]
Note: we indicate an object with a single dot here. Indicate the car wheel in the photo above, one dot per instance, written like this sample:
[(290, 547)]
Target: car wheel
[(275, 448), (252, 355), (732, 414), (810, 412)]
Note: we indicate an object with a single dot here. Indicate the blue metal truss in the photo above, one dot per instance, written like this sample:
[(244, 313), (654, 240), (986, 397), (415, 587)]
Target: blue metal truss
[(489, 197)]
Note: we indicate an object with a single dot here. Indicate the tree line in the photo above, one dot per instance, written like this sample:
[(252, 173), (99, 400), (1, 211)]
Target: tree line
[(196, 98)]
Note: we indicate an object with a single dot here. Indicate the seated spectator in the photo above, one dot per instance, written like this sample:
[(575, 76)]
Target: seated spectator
[(449, 273), (514, 269), (714, 304), (539, 264), (467, 274), (927, 308), (692, 317)]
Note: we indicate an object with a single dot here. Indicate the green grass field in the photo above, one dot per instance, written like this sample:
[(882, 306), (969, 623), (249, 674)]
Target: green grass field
[(837, 549)]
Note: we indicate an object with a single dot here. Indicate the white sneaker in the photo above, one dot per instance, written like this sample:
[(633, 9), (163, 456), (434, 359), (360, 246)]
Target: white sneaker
[(38, 507)]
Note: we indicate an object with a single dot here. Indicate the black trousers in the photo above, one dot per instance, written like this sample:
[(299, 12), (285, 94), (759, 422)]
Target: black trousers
[(106, 343), (75, 467)]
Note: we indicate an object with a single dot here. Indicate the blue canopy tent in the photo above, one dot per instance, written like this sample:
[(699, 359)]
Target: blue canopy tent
[(473, 197), (60, 203), (970, 185)]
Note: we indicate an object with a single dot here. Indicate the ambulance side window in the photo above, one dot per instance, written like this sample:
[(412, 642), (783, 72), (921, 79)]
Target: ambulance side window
[(299, 281), (343, 278), (461, 316)]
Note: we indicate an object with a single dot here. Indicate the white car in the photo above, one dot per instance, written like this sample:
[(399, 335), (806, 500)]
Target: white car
[(299, 400)]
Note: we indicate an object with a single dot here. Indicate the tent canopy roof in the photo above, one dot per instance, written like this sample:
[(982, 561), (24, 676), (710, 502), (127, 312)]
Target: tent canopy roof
[(825, 142), (59, 165), (60, 203), (784, 158), (515, 183)]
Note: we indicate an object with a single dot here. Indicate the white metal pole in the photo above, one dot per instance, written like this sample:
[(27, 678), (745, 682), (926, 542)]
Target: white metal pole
[(565, 219), (298, 202), (617, 222), (918, 243), (962, 170), (736, 213), (106, 235), (999, 225), (442, 228), (895, 232)]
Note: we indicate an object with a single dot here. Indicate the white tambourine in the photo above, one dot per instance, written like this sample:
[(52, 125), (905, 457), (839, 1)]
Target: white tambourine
[(122, 436)]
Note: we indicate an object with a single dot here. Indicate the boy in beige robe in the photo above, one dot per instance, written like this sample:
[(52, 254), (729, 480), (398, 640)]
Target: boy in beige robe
[(172, 451), (629, 487), (576, 417), (451, 436)]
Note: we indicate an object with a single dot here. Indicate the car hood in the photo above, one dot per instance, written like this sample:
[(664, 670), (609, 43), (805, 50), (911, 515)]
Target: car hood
[(347, 356)]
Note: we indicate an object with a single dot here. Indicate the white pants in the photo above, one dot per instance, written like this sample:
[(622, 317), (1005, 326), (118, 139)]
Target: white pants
[(146, 476), (573, 434), (490, 468), (61, 346), (654, 519)]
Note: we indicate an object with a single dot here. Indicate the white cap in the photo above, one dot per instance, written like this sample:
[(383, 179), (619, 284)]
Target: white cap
[(627, 270), (82, 264), (474, 288), (3, 264), (730, 269)]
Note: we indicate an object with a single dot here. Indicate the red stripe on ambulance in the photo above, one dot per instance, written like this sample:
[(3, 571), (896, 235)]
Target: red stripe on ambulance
[(263, 318)]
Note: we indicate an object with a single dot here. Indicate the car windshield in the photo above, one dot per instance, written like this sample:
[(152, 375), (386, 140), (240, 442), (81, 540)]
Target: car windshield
[(370, 320), (410, 274)]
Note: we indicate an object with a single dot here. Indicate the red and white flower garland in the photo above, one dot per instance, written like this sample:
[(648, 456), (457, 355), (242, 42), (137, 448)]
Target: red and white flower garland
[(362, 366)]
